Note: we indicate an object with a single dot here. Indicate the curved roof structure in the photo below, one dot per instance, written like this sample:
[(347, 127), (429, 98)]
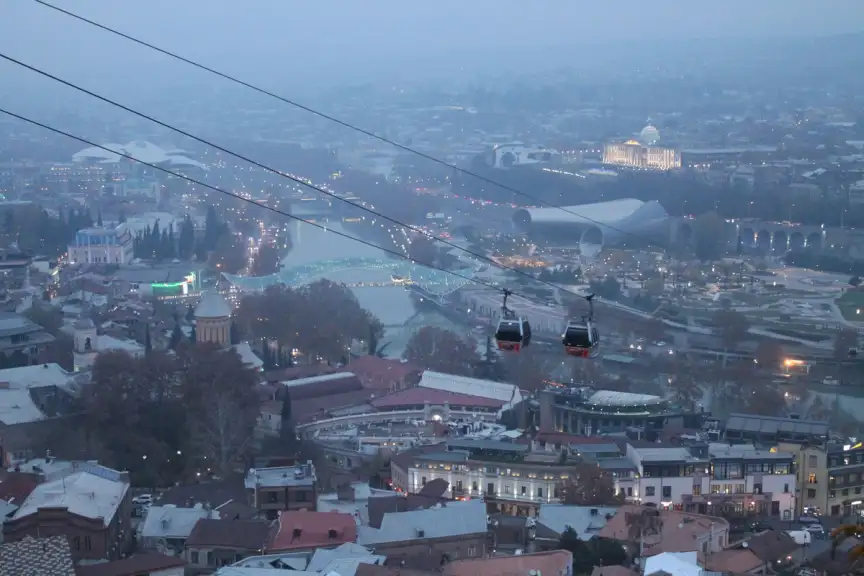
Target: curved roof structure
[(586, 214), (138, 149), (212, 305)]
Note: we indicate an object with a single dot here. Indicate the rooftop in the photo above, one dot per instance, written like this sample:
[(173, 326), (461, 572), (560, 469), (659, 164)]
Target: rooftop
[(40, 375), (172, 522), (667, 454), (306, 529), (674, 564), (587, 521), (772, 425), (12, 324), (452, 520), (548, 563), (138, 149), (507, 393), (212, 305), (49, 556), (612, 398), (746, 452), (82, 493), (132, 566), (18, 407), (680, 531), (303, 475), (238, 534), (419, 396)]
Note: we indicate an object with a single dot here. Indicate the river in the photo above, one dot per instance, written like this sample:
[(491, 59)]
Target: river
[(391, 304)]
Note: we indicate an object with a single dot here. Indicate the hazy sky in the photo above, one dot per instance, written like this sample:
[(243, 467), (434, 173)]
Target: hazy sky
[(294, 29), (340, 38)]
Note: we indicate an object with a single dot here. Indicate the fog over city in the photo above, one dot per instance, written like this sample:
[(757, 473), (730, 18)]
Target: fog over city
[(431, 288)]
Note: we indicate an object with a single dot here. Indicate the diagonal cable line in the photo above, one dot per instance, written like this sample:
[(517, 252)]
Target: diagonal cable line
[(275, 171), (250, 201), (335, 120)]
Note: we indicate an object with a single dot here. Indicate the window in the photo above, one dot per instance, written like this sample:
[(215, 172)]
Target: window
[(539, 492), (474, 487), (667, 492), (472, 551), (811, 478), (272, 497), (193, 557), (508, 489), (697, 489), (811, 493), (844, 492), (87, 544), (77, 543), (629, 491), (423, 481), (785, 488), (490, 488), (301, 496), (524, 490), (211, 561), (649, 491), (757, 488)]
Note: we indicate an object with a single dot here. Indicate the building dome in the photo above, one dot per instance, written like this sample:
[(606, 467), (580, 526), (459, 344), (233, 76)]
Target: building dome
[(649, 135), (212, 305)]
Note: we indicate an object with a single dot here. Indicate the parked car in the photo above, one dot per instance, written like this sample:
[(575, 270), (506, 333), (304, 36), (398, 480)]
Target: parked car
[(143, 499)]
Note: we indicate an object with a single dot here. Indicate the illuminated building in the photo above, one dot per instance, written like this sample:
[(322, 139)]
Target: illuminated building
[(101, 246), (634, 154)]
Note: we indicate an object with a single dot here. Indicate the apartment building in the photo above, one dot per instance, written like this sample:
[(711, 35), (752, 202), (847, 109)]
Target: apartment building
[(713, 478), (272, 490), (830, 476)]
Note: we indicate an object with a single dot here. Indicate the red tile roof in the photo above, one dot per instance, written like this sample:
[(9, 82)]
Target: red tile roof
[(306, 529), (382, 373), (547, 563), (137, 565), (419, 396), (350, 383)]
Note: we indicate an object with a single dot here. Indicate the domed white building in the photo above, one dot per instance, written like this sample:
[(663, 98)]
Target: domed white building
[(213, 325), (649, 135), (213, 319)]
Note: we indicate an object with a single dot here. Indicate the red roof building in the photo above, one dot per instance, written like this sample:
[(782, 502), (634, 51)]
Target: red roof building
[(383, 374), (417, 398), (304, 530)]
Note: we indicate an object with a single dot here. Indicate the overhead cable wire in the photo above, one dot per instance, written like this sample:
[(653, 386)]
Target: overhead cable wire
[(239, 197), (278, 172), (254, 203), (340, 122)]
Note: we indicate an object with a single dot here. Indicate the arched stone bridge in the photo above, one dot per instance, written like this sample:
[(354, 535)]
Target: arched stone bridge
[(430, 280)]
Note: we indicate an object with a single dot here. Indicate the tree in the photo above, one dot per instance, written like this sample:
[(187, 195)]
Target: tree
[(229, 254), (685, 390), (594, 552), (762, 398), (221, 396), (134, 408), (176, 337), (655, 286), (846, 339), (99, 218), (235, 334), (855, 281), (589, 486), (148, 345), (267, 261), (769, 354), (709, 236), (732, 327), (433, 348), (423, 250), (525, 370), (644, 521), (190, 314), (609, 288), (843, 533)]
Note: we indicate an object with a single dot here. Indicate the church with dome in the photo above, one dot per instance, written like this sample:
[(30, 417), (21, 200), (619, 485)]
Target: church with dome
[(213, 320)]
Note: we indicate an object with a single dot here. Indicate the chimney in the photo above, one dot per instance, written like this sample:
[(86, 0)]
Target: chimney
[(298, 532), (332, 534)]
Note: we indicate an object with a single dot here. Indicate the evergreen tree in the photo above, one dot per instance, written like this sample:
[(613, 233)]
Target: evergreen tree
[(99, 218), (148, 345), (122, 217), (193, 337), (176, 336), (235, 334), (190, 314)]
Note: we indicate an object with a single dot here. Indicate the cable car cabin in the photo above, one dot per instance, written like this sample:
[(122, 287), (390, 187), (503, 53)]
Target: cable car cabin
[(513, 334), (581, 340)]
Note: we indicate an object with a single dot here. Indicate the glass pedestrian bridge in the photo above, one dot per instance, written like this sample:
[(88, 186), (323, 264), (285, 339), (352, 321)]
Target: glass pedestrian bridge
[(429, 280)]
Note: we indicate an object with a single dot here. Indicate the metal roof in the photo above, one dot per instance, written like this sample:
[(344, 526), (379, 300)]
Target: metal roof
[(772, 425)]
